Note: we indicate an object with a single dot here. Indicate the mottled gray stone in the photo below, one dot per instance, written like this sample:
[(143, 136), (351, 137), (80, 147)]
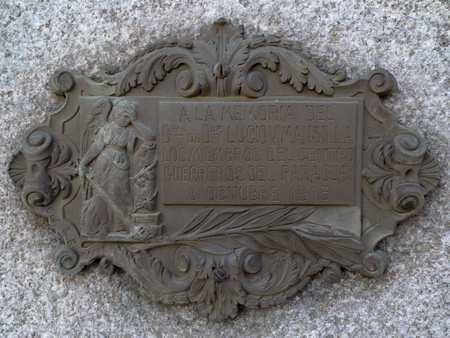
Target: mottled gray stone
[(410, 39)]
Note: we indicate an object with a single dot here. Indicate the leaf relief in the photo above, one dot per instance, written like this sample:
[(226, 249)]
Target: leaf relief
[(266, 230), (381, 173)]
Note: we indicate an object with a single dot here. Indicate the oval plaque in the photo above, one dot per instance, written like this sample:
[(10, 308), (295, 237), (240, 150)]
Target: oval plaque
[(225, 171)]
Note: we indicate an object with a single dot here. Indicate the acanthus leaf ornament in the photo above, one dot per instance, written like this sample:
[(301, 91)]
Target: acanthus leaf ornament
[(224, 171), (219, 62)]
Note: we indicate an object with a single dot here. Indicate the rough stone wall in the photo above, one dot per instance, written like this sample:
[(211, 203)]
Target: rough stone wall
[(409, 38)]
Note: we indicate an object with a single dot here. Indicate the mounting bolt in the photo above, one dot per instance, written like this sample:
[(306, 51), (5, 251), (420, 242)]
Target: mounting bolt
[(218, 274)]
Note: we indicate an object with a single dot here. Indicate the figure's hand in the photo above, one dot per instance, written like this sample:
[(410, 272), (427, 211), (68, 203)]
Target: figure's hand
[(131, 114), (83, 170)]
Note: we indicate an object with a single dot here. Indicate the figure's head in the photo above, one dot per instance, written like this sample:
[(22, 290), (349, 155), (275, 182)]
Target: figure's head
[(124, 111)]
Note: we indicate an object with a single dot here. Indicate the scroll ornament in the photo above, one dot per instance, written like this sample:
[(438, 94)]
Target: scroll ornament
[(43, 169)]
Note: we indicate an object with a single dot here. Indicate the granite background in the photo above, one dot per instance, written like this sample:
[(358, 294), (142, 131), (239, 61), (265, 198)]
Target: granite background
[(409, 38)]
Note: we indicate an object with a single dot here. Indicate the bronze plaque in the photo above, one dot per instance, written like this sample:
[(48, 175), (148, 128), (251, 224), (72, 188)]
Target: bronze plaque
[(224, 171)]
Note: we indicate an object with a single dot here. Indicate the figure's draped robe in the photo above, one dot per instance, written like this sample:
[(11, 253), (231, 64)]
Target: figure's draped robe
[(111, 171)]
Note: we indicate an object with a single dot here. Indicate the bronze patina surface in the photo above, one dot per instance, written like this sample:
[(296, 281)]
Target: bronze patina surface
[(225, 171)]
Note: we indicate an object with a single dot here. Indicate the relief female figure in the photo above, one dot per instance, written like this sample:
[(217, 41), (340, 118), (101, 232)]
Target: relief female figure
[(107, 163)]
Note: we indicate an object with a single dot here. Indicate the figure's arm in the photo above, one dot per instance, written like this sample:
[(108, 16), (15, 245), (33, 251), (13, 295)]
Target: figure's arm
[(93, 152), (143, 132)]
